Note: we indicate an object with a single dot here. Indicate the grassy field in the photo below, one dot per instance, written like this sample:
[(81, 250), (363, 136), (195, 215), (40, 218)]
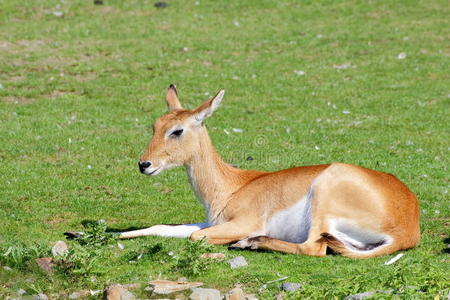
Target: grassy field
[(308, 82)]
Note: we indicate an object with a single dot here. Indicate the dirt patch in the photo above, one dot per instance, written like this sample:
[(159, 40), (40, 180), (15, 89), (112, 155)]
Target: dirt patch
[(5, 44), (59, 218), (17, 100), (109, 9), (57, 94), (31, 43), (15, 78), (85, 77)]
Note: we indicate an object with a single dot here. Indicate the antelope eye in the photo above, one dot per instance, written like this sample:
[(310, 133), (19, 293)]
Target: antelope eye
[(177, 132)]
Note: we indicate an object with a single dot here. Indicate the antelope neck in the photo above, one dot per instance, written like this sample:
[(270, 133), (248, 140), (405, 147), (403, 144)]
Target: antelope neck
[(212, 179)]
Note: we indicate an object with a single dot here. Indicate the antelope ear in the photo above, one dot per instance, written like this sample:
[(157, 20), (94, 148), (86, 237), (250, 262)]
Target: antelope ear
[(209, 107), (172, 98)]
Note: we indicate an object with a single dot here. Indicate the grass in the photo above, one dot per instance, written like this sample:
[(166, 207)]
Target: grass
[(79, 92)]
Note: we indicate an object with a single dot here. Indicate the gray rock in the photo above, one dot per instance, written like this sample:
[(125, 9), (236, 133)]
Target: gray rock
[(290, 286), (360, 296), (7, 268), (164, 287), (118, 292), (238, 262), (59, 249), (21, 292), (205, 294), (40, 297)]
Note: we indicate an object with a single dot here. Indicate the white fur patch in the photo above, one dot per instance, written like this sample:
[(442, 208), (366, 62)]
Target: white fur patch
[(291, 224), (354, 237), (176, 231)]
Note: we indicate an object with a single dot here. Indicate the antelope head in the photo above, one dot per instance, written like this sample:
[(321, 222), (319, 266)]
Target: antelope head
[(177, 135)]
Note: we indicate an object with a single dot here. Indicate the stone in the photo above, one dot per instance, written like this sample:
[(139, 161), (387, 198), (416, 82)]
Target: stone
[(360, 296), (118, 292), (205, 294), (40, 297), (46, 264), (6, 268), (235, 294), (79, 294), (213, 255), (290, 286), (238, 262), (21, 292), (164, 287), (59, 249)]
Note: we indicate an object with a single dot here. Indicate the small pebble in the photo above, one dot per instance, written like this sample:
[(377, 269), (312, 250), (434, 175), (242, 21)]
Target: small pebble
[(290, 286), (205, 294), (40, 297), (58, 13), (402, 55), (59, 248), (360, 296), (237, 262)]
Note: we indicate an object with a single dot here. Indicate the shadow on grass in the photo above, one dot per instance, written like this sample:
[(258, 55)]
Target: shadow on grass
[(446, 241)]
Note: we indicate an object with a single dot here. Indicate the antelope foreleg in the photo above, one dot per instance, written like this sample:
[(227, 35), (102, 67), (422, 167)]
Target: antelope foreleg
[(176, 231), (225, 233), (268, 243)]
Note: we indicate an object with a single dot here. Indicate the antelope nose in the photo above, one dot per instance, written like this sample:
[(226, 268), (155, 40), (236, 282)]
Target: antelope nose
[(144, 165)]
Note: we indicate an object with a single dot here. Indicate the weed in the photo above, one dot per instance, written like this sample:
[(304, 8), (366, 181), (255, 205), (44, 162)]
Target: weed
[(80, 261), (187, 260), (18, 254), (96, 234)]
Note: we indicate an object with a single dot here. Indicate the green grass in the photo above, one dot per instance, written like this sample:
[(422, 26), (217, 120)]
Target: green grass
[(79, 93)]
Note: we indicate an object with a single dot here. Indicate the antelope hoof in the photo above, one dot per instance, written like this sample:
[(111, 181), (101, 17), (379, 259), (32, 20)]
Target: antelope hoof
[(248, 243), (72, 235)]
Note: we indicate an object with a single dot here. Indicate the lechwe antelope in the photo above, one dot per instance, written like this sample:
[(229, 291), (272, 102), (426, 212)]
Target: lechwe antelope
[(352, 210)]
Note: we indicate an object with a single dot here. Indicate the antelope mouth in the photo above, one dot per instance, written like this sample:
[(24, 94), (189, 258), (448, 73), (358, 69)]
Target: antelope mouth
[(153, 172)]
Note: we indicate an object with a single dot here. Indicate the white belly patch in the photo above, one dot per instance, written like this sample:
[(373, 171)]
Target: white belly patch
[(291, 224)]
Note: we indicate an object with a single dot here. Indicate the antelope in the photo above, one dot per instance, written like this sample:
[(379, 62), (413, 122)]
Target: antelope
[(354, 211)]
